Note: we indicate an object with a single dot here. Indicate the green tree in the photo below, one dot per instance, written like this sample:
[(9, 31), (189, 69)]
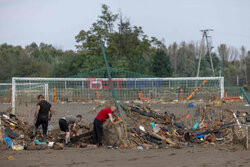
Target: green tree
[(89, 41), (161, 66), (127, 46)]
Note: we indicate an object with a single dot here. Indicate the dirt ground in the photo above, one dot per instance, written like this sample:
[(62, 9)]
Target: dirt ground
[(72, 157), (191, 156)]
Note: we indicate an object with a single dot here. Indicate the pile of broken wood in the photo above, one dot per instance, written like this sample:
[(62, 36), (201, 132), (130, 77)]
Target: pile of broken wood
[(147, 128), (151, 129)]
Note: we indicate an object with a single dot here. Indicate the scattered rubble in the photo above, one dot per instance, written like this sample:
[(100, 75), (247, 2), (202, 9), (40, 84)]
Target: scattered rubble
[(207, 123)]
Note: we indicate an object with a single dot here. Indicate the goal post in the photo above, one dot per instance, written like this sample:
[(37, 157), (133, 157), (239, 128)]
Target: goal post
[(25, 90), (18, 88)]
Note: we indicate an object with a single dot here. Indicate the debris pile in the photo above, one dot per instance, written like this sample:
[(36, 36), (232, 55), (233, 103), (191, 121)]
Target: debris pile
[(202, 124), (24, 135), (206, 125)]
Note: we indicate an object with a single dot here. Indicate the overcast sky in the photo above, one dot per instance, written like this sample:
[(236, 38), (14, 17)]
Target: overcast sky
[(57, 22)]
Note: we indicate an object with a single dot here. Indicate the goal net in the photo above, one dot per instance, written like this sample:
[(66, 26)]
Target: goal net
[(77, 90)]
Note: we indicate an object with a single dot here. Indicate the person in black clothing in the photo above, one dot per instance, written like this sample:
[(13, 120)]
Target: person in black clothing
[(43, 115)]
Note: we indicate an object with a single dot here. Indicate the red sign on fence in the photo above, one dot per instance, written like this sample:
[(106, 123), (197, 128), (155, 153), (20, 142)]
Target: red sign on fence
[(94, 83)]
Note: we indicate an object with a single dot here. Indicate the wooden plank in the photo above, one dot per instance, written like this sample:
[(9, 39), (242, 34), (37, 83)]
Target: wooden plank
[(164, 138)]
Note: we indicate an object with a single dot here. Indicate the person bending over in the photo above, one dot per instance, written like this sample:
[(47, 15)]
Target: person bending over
[(66, 124), (98, 123)]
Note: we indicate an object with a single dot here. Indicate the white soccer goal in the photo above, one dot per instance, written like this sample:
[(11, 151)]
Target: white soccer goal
[(61, 90)]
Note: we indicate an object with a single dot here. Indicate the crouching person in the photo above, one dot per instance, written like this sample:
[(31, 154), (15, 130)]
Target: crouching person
[(66, 124), (10, 135), (9, 132), (98, 123)]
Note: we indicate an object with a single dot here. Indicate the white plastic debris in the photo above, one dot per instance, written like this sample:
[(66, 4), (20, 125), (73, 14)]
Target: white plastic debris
[(51, 144), (156, 128), (6, 116), (17, 147), (139, 148), (142, 128)]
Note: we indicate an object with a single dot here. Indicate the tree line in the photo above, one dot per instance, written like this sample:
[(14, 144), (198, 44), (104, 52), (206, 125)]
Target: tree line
[(127, 47)]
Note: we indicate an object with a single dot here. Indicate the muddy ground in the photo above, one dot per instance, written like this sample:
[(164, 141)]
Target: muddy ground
[(200, 156), (186, 157)]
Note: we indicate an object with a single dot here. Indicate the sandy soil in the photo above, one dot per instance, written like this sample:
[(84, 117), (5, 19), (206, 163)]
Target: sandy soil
[(202, 157)]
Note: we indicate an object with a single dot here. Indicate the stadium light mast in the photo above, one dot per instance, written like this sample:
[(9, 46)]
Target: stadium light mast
[(208, 40)]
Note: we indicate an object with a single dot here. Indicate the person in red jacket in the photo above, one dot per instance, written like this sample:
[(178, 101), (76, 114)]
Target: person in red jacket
[(98, 123)]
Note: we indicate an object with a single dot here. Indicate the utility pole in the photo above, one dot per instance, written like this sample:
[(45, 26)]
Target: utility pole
[(208, 40)]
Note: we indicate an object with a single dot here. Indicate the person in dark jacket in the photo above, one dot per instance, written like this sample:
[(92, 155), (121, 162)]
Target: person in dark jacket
[(42, 115)]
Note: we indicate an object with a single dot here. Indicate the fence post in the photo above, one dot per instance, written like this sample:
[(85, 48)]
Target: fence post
[(97, 93), (46, 93), (1, 131), (54, 99), (140, 95), (181, 94), (247, 136), (13, 94), (222, 87)]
